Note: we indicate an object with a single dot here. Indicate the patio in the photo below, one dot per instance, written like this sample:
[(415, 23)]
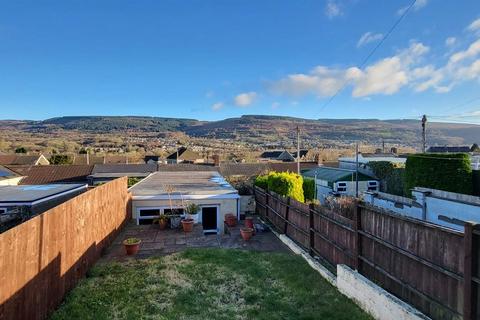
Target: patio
[(163, 242)]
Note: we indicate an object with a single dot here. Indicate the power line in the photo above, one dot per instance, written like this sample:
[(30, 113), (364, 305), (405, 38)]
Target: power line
[(364, 62)]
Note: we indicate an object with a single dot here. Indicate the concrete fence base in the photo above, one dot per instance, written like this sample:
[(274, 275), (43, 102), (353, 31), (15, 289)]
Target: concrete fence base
[(373, 299)]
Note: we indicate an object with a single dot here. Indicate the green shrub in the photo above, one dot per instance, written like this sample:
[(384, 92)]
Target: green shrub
[(262, 182), (60, 159), (449, 172), (308, 189), (391, 176), (283, 183)]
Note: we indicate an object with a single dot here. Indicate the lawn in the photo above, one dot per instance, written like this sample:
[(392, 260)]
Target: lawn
[(207, 284)]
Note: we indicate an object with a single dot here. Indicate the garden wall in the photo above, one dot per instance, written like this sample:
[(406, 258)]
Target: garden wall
[(44, 258)]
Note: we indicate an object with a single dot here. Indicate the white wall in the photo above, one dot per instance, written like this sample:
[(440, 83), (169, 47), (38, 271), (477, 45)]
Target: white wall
[(225, 206), (323, 190), (447, 209)]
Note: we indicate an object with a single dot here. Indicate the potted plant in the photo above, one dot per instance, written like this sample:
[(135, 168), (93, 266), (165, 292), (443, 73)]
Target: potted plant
[(191, 210), (174, 214), (132, 245), (163, 221), (246, 233)]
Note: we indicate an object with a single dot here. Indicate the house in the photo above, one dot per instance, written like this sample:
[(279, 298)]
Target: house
[(163, 191), (16, 159), (9, 177), (19, 203), (365, 158), (102, 173), (32, 175), (277, 155), (153, 160), (449, 149), (443, 208), (337, 181), (183, 155)]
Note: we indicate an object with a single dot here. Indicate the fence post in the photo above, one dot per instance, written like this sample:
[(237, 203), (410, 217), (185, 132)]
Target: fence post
[(286, 216), (267, 204), (358, 241), (312, 228), (470, 257)]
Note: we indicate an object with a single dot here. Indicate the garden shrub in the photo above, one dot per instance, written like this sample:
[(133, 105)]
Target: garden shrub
[(449, 172), (283, 183), (308, 189), (391, 176)]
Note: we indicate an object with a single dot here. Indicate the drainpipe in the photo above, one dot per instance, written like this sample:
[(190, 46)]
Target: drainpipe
[(238, 209)]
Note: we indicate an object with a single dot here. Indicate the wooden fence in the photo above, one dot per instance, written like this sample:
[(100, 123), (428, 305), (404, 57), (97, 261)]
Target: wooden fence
[(43, 258), (435, 269)]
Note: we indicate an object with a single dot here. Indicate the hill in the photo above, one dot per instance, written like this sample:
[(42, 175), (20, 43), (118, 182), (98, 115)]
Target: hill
[(260, 130)]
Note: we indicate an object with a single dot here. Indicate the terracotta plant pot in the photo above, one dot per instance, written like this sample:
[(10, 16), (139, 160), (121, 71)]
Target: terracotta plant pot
[(131, 248), (249, 222), (246, 233), (230, 220), (162, 224), (187, 225)]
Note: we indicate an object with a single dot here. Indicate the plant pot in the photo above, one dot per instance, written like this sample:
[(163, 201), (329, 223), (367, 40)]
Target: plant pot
[(162, 224), (187, 225), (131, 249), (230, 220), (246, 233), (249, 222)]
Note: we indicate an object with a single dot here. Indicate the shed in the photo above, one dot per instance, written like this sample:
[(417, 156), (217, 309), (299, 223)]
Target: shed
[(164, 192)]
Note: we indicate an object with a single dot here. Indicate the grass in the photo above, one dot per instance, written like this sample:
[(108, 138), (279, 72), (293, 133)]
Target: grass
[(207, 284)]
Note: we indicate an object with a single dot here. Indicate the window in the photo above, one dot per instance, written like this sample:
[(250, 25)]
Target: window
[(341, 187), (3, 210), (148, 215), (372, 186)]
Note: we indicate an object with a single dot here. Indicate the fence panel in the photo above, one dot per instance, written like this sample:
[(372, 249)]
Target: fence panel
[(334, 237), (298, 224), (43, 258), (420, 263)]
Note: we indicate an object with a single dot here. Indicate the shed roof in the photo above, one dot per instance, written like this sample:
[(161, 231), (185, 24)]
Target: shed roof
[(185, 183), (335, 174), (32, 193), (124, 168)]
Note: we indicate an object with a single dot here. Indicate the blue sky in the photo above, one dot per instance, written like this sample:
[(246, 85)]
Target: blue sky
[(216, 59)]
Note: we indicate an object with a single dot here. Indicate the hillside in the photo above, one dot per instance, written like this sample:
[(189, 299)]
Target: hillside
[(261, 130)]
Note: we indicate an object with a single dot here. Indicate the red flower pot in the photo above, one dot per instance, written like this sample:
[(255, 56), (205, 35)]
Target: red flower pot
[(131, 248), (246, 233), (187, 225), (230, 220), (249, 222), (163, 224)]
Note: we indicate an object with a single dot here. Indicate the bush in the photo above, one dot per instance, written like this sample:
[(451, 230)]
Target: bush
[(448, 172), (283, 183), (60, 159), (391, 176), (308, 189)]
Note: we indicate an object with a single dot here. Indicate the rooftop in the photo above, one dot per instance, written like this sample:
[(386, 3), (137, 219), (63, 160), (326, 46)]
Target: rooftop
[(334, 174), (124, 168), (15, 159), (32, 193), (52, 173), (186, 183)]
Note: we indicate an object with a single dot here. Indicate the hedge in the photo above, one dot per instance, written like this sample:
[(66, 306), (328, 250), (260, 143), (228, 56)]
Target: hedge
[(308, 189), (284, 183), (449, 172), (391, 176)]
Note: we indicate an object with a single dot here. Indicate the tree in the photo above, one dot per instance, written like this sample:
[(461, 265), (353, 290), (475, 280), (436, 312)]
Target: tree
[(60, 159), (20, 150), (475, 148), (83, 151)]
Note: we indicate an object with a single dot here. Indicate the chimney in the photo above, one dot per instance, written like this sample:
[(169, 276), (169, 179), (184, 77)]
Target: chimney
[(216, 160)]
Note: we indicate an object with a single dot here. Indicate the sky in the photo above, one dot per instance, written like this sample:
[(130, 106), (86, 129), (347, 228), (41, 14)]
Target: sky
[(212, 60)]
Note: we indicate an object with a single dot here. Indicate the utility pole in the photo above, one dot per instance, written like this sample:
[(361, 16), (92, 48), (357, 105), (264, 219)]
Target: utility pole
[(298, 150), (356, 170), (383, 146), (424, 134)]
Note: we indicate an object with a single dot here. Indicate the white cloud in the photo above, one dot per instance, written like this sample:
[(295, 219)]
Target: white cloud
[(386, 76), (450, 41), (217, 106), (245, 99), (368, 37), (474, 26), (417, 6), (332, 9), (472, 51)]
